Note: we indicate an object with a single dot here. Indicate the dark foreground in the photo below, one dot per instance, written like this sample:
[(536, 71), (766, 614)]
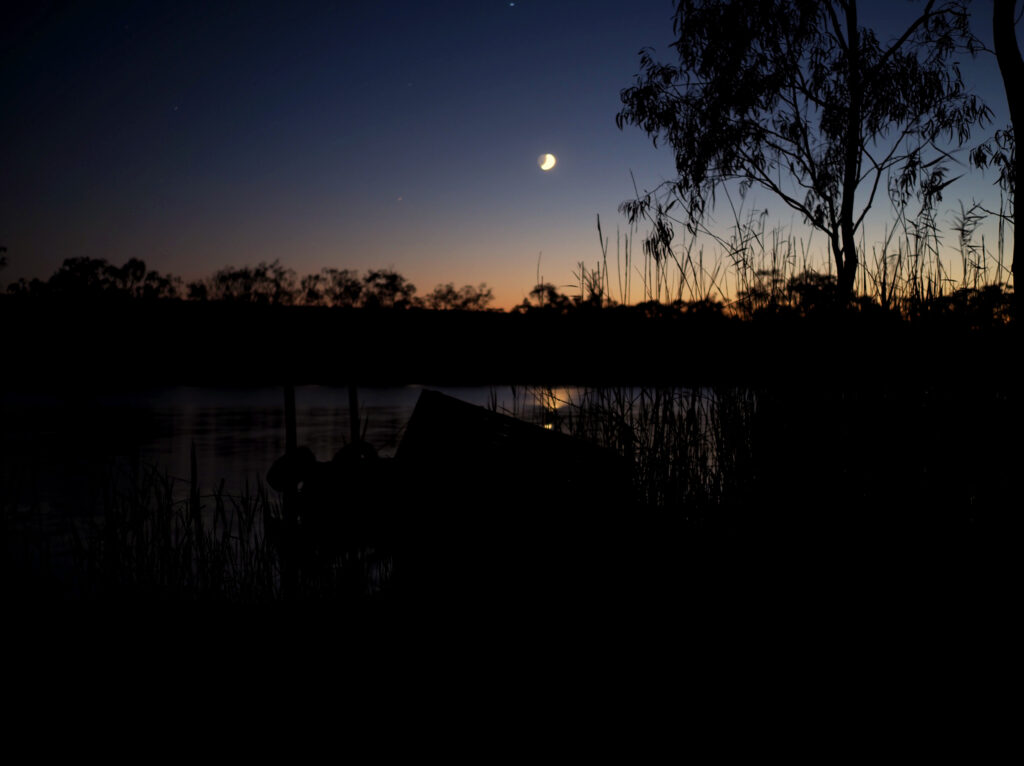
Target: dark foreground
[(875, 502), (60, 343), (849, 462)]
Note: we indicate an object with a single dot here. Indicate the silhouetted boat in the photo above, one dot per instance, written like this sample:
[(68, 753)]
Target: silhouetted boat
[(474, 502), (514, 465), (513, 511)]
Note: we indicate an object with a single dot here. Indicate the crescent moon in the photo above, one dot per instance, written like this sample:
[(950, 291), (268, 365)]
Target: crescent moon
[(546, 161)]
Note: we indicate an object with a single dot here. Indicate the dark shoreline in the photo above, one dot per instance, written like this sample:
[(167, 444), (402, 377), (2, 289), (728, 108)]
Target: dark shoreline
[(55, 345), (872, 450)]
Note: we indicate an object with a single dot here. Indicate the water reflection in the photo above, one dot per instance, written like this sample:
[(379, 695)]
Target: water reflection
[(53, 445)]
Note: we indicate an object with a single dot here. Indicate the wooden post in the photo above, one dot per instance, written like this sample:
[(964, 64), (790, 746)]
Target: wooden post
[(288, 509), (290, 438), (193, 494), (353, 413)]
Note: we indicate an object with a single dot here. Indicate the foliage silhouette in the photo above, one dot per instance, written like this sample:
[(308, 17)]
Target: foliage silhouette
[(386, 288), (262, 284), (265, 283), (332, 287), (93, 277), (545, 296), (795, 96), (466, 298)]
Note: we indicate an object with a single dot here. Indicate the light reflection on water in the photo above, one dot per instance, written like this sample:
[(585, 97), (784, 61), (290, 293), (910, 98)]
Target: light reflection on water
[(61, 451), (50, 443)]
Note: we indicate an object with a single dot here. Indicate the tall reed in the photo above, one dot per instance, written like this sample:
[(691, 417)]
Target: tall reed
[(688, 449), (145, 542), (749, 266)]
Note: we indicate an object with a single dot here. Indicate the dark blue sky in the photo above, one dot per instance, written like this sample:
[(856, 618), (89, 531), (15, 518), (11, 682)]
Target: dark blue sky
[(354, 135)]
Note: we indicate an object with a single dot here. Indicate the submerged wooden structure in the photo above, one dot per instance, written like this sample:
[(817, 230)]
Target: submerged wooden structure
[(500, 510), (475, 505), (471, 457)]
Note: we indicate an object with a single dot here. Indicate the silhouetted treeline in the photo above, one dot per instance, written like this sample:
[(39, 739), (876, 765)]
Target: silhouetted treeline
[(768, 293), (268, 284), (94, 277), (59, 343)]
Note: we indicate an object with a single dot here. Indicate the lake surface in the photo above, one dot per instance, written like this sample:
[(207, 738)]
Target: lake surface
[(57, 448)]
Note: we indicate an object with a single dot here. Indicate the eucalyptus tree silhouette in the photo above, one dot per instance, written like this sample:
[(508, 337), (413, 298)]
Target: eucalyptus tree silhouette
[(94, 277), (466, 298), (385, 288), (332, 287), (264, 283), (546, 296), (797, 97), (1011, 66)]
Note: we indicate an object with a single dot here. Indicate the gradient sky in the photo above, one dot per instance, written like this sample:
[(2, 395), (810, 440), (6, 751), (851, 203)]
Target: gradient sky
[(355, 135)]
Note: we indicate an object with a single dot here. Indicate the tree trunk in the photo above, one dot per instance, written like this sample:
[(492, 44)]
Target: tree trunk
[(353, 414), (1011, 67), (837, 252), (851, 160)]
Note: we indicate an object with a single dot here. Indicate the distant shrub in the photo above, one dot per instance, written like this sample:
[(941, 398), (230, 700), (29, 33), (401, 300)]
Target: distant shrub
[(466, 298)]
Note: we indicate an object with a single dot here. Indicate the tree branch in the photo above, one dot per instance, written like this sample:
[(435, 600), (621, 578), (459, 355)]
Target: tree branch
[(925, 15)]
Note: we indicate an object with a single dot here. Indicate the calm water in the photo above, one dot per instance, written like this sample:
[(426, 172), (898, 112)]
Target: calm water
[(57, 447)]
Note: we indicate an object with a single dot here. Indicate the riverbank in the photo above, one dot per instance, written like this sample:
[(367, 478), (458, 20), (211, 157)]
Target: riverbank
[(807, 488), (51, 345)]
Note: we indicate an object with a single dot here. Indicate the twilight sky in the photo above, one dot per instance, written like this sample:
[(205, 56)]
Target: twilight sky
[(197, 135)]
